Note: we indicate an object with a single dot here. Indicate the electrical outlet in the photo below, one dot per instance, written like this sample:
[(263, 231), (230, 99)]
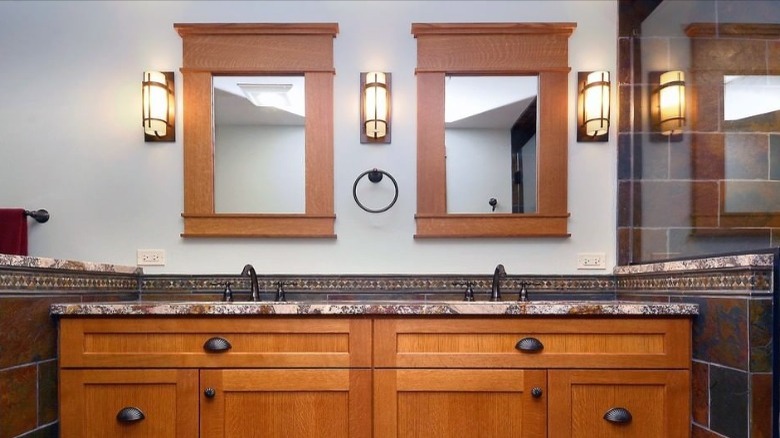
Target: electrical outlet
[(150, 257), (596, 260)]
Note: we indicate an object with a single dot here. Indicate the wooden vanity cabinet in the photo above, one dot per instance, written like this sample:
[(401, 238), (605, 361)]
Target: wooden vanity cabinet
[(291, 377), (381, 376), (436, 377)]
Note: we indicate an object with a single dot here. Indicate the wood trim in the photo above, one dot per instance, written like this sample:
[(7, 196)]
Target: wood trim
[(245, 48), (498, 225), (187, 29), (564, 28), (230, 225), (492, 48)]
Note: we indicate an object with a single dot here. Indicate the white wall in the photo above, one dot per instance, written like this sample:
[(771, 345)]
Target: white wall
[(259, 169), (479, 167), (71, 138)]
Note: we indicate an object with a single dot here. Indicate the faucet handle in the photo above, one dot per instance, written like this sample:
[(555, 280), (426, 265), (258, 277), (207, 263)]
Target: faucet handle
[(469, 294), (280, 294), (227, 295)]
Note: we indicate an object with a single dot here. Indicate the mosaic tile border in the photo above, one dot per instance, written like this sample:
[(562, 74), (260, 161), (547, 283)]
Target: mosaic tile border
[(378, 284), (17, 280), (750, 281)]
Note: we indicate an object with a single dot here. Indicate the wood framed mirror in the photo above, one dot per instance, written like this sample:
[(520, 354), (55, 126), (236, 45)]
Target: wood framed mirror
[(239, 49), (499, 49)]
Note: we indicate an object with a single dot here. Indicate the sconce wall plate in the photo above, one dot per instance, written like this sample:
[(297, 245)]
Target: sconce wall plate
[(375, 96), (667, 105), (593, 96), (158, 112)]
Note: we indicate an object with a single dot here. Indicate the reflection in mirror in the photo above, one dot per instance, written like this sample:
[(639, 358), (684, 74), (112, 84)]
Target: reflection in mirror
[(752, 99), (490, 138), (259, 144)]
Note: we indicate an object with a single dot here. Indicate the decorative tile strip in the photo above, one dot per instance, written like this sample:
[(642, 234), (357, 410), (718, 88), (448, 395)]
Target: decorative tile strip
[(43, 279), (378, 283), (745, 281)]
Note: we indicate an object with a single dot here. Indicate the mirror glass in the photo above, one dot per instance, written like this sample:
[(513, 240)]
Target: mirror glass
[(490, 137), (751, 98), (259, 144)]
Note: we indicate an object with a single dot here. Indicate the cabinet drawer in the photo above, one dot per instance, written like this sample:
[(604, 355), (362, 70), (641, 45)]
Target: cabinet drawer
[(635, 403), (564, 343), (150, 342), (128, 403)]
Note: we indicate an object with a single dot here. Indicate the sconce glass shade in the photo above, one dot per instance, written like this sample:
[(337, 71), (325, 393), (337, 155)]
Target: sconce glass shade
[(375, 112), (158, 106), (593, 114), (671, 102)]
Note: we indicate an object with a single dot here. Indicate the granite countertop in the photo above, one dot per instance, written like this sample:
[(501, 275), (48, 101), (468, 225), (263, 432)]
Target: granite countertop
[(378, 308)]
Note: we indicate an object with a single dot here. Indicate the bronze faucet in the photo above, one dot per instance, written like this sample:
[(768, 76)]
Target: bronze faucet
[(254, 288)]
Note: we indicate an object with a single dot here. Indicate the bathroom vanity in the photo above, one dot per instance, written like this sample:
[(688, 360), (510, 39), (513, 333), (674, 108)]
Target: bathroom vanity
[(532, 369)]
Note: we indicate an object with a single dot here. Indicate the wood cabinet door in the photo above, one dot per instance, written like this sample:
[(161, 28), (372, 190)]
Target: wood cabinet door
[(92, 403), (657, 401), (448, 403), (286, 403)]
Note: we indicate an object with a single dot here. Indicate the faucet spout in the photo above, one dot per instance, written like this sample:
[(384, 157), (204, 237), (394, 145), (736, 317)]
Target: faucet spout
[(254, 288), (499, 273)]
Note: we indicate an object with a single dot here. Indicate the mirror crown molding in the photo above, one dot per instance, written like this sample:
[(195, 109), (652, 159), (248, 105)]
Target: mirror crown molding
[(210, 49), (492, 49)]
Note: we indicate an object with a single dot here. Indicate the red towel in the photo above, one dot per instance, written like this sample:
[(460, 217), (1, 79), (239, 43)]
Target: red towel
[(13, 231)]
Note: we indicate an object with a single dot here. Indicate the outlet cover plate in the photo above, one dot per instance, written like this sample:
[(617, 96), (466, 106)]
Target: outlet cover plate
[(150, 257), (595, 260)]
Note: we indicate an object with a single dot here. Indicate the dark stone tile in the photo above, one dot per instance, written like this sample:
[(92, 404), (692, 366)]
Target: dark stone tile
[(729, 402), (636, 155), (625, 196), (745, 156), (724, 53), (680, 165), (666, 203), (47, 392), (625, 157), (689, 242), (624, 246), (18, 409), (27, 332), (774, 157), (706, 94), (653, 244), (760, 405), (760, 335), (624, 75), (720, 331), (773, 48), (708, 156), (624, 108), (705, 204), (655, 160), (700, 397)]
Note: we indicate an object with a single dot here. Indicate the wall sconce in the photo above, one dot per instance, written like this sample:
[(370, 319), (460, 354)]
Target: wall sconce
[(375, 107), (669, 103), (593, 106), (158, 106)]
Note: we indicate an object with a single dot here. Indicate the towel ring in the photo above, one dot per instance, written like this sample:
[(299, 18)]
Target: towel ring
[(374, 175)]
